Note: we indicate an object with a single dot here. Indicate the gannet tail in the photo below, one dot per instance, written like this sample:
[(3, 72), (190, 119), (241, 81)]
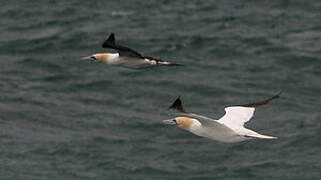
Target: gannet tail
[(268, 137), (165, 63), (259, 136)]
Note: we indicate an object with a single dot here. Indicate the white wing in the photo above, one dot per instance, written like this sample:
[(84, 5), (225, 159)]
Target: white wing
[(237, 116)]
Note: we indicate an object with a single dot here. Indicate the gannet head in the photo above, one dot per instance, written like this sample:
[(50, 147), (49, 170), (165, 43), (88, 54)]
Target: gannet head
[(100, 57), (183, 122)]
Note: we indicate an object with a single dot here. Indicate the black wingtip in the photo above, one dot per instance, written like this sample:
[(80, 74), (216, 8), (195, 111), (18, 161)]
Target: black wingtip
[(265, 101), (177, 105), (277, 95), (110, 41)]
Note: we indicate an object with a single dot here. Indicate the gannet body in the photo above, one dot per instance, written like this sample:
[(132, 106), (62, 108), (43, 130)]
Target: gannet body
[(228, 129), (126, 57)]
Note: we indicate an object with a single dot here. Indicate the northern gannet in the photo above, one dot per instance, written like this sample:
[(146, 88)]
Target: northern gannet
[(228, 129), (126, 57)]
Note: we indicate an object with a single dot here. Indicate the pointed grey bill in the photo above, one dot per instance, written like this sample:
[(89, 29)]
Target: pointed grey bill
[(170, 121), (89, 58), (86, 58)]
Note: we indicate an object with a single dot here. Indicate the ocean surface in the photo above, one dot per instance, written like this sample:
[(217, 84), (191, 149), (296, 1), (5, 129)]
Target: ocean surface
[(63, 118)]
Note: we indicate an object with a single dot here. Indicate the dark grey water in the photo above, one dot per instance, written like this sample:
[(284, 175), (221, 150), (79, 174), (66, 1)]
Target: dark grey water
[(62, 118)]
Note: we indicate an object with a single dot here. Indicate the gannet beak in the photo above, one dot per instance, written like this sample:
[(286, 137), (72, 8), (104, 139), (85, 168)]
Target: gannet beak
[(90, 58), (170, 121)]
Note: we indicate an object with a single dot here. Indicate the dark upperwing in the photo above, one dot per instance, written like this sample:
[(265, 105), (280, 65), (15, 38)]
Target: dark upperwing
[(122, 50), (262, 102), (177, 106)]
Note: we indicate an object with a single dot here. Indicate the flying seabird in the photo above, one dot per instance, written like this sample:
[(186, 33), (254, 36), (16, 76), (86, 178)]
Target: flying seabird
[(229, 128), (126, 57)]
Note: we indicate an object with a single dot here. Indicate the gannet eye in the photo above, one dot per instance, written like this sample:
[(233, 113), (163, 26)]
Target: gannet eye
[(93, 58), (175, 121)]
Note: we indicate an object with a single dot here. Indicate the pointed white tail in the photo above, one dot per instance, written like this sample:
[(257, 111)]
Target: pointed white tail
[(260, 136), (266, 137)]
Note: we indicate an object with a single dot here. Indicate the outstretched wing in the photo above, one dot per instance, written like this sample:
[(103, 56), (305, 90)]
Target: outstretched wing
[(177, 108), (240, 114), (122, 50), (260, 103), (237, 115)]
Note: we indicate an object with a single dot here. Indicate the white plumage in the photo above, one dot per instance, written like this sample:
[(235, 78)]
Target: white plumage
[(230, 128)]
